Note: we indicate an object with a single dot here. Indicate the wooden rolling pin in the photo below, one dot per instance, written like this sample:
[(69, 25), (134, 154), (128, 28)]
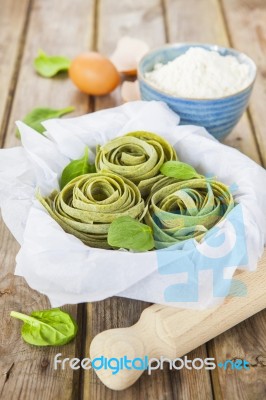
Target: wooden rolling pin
[(172, 332)]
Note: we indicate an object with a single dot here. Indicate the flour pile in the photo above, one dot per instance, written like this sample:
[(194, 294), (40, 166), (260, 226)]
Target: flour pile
[(201, 74)]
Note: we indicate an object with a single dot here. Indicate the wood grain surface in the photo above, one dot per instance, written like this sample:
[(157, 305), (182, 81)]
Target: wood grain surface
[(13, 25), (170, 331), (27, 372), (246, 21), (246, 28), (68, 27), (196, 24)]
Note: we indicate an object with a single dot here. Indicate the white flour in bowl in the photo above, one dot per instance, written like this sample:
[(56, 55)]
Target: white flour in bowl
[(200, 74)]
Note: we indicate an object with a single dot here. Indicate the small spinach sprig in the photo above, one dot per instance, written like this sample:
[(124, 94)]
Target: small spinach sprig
[(76, 168), (52, 327), (179, 170), (127, 233), (49, 66), (38, 115)]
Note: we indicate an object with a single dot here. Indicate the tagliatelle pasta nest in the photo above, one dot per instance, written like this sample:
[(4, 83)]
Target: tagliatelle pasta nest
[(178, 211), (137, 156), (88, 204), (139, 177), (62, 263)]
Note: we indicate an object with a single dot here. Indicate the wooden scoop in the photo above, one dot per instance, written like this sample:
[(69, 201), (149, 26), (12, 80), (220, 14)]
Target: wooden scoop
[(172, 332)]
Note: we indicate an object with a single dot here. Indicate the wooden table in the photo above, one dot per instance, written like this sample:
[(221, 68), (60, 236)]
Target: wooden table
[(68, 27)]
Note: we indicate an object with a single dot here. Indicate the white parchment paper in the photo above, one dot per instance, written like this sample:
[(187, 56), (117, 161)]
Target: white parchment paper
[(188, 275)]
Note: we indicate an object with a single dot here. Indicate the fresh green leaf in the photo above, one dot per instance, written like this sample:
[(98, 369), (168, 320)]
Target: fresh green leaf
[(125, 232), (49, 66), (179, 170), (47, 328), (38, 115), (76, 168)]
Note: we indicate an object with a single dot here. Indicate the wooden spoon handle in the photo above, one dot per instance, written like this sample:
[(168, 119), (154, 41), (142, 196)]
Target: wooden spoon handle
[(172, 332)]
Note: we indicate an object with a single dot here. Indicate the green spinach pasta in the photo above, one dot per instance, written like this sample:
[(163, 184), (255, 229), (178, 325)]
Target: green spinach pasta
[(88, 204), (140, 198), (177, 211), (137, 156)]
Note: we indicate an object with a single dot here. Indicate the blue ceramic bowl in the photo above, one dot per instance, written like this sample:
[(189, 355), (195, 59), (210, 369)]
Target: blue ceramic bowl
[(218, 116)]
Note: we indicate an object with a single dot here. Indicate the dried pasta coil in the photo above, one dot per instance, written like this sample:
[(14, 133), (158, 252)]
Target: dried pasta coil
[(177, 211), (137, 156), (88, 204)]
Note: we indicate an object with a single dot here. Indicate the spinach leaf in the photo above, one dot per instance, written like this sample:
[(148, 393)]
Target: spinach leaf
[(49, 66), (127, 233), (47, 328), (179, 170), (38, 115), (76, 168)]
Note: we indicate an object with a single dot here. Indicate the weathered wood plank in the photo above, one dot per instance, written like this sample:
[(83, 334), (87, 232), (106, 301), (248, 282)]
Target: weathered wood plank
[(161, 384), (248, 339), (193, 21), (112, 313), (36, 375), (13, 18), (197, 25), (247, 30), (51, 29), (27, 372), (230, 344), (143, 20)]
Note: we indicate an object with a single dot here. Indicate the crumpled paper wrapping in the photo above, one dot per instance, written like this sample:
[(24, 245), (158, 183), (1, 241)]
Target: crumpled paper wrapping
[(187, 275)]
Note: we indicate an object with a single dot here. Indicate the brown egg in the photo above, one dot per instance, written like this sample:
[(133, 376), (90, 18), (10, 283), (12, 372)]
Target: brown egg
[(94, 74)]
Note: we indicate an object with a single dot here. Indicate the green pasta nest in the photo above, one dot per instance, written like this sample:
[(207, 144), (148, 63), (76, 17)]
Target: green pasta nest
[(88, 204), (179, 211), (137, 156), (138, 177)]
